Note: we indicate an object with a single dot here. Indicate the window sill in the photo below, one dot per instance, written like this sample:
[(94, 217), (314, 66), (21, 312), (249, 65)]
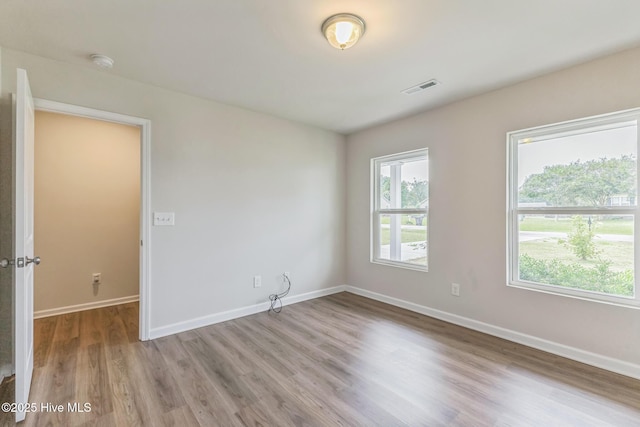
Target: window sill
[(576, 294), (403, 265)]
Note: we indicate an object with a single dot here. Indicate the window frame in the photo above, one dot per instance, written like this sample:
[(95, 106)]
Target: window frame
[(377, 211), (572, 127)]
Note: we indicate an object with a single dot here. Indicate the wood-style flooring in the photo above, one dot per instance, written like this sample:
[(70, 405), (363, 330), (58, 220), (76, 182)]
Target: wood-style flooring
[(7, 389), (338, 360)]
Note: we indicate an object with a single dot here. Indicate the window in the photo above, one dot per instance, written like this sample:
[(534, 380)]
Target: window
[(400, 206), (573, 208)]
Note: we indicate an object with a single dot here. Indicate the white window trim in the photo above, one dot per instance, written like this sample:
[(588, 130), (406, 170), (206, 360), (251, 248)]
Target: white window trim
[(376, 211), (570, 127)]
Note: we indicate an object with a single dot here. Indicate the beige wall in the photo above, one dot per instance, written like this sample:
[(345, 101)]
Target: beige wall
[(87, 198), (253, 194), (467, 152)]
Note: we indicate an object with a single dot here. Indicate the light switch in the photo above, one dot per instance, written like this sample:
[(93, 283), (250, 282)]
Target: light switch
[(164, 218)]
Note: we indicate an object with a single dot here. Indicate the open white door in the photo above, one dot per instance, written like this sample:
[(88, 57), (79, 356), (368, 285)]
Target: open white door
[(25, 261)]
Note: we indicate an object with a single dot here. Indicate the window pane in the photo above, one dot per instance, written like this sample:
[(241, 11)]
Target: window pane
[(385, 186), (587, 252), (592, 169), (404, 184), (404, 238)]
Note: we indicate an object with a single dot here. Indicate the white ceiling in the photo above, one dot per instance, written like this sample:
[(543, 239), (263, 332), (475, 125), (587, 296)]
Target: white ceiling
[(269, 55)]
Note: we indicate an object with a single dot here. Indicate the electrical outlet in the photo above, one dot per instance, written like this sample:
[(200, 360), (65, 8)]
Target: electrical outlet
[(257, 281), (97, 278), (455, 289)]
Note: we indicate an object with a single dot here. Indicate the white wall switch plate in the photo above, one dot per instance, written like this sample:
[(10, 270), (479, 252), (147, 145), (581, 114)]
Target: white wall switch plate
[(257, 281), (164, 218)]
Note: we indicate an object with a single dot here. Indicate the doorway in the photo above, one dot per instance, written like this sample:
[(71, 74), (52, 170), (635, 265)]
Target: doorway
[(86, 213), (103, 293)]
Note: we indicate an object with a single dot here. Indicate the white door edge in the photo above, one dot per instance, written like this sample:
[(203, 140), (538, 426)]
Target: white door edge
[(23, 242)]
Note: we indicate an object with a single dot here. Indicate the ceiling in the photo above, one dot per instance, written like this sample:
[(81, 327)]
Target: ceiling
[(269, 55)]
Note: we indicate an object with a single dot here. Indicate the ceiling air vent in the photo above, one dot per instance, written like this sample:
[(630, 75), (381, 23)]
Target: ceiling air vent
[(420, 87)]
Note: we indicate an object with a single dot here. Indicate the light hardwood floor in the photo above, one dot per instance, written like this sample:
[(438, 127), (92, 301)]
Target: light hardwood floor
[(337, 360)]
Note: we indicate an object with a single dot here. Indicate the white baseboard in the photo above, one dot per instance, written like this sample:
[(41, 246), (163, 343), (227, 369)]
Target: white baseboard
[(81, 307), (604, 362), (211, 319), (614, 365), (5, 371)]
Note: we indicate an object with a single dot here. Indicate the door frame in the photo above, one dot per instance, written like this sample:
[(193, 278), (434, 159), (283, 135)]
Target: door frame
[(145, 192)]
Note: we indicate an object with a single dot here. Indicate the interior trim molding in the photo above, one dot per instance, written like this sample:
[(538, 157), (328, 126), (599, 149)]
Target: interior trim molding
[(86, 306), (223, 316), (599, 361)]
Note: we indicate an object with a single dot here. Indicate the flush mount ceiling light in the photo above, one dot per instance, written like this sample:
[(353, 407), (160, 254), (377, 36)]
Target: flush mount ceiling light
[(102, 61), (343, 30)]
